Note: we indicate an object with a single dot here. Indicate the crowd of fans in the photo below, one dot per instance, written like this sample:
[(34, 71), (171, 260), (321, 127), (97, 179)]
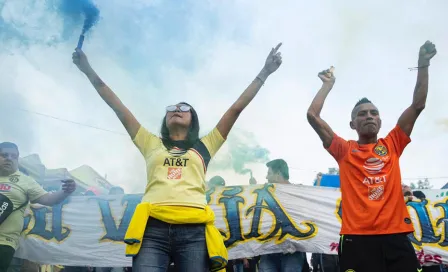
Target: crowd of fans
[(373, 238), (278, 172)]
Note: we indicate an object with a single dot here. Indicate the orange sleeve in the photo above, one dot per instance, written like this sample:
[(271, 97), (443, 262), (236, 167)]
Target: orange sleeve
[(338, 148), (398, 139)]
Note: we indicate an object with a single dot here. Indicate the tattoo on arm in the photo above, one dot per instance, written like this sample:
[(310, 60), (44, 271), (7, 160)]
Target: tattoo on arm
[(98, 82)]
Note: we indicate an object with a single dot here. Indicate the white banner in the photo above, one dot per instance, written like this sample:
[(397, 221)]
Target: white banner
[(254, 220)]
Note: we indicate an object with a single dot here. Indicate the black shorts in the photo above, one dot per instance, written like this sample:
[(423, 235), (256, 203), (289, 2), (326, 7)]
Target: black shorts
[(432, 268), (6, 255), (377, 253)]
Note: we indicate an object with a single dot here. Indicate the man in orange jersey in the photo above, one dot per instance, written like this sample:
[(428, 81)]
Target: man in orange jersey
[(375, 220)]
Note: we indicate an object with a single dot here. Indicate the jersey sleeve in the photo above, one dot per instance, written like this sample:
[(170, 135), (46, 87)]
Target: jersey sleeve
[(34, 190), (146, 141), (398, 139), (338, 148), (213, 141)]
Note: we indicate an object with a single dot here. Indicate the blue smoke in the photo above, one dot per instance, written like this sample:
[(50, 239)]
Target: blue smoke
[(145, 38), (75, 9), (92, 15), (77, 16)]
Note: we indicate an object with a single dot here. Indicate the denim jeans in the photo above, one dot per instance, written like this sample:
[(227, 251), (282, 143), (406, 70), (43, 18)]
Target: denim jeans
[(238, 267), (109, 269), (76, 269), (280, 262), (162, 243)]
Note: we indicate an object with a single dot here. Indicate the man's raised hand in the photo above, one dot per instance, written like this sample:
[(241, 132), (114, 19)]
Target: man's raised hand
[(427, 51), (327, 76)]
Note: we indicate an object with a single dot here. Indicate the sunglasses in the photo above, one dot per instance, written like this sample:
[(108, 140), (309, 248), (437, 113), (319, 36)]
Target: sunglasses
[(182, 108)]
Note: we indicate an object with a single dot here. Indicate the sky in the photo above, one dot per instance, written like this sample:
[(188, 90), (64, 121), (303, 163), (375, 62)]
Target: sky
[(156, 53)]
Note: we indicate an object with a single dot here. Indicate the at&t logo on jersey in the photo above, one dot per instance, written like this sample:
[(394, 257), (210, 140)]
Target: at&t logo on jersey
[(373, 165), (5, 187)]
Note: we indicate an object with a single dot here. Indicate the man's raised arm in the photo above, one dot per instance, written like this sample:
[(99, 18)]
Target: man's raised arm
[(410, 115), (313, 115)]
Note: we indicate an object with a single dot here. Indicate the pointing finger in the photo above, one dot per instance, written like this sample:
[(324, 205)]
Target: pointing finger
[(277, 47)]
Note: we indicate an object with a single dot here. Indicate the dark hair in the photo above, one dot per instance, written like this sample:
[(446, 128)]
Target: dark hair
[(361, 101), (193, 131), (419, 194), (217, 181), (279, 166), (8, 145), (407, 193)]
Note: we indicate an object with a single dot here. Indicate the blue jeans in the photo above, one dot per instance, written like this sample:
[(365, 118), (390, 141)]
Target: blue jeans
[(238, 267), (162, 243), (279, 262), (109, 269)]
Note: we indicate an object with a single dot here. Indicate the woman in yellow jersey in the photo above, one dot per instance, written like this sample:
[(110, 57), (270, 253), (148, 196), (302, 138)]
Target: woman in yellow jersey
[(173, 222)]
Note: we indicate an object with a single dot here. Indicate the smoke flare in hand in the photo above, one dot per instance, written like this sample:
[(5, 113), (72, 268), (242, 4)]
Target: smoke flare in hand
[(86, 8)]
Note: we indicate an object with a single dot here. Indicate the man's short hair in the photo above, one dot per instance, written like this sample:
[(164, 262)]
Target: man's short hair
[(419, 194), (361, 101), (8, 145), (279, 166)]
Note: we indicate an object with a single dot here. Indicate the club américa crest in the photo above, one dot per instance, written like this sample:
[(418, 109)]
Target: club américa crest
[(380, 150)]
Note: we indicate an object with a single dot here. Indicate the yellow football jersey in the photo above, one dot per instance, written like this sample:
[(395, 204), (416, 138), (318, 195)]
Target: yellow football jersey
[(177, 176)]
